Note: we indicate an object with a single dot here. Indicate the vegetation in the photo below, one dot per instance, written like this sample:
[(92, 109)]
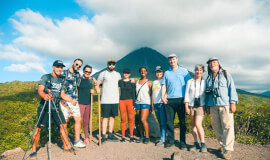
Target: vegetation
[(19, 101)]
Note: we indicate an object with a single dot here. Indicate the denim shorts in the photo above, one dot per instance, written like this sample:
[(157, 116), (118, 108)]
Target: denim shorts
[(142, 106)]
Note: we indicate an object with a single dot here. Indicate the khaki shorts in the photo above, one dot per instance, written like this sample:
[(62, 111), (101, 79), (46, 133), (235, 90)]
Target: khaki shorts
[(69, 110), (199, 111)]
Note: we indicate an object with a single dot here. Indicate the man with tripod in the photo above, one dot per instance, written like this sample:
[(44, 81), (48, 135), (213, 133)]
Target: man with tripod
[(72, 80), (51, 83)]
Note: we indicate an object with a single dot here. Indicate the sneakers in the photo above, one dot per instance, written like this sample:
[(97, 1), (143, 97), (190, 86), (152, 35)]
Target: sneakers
[(203, 148), (159, 143), (168, 145), (33, 155), (112, 138), (123, 140), (131, 140), (139, 140), (227, 154), (221, 150), (195, 147), (79, 144), (146, 140), (183, 145)]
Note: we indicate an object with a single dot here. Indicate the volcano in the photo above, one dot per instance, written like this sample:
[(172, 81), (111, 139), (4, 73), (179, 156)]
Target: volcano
[(143, 57)]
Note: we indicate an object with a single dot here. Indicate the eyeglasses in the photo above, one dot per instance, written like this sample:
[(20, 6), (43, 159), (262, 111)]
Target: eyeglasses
[(87, 72), (77, 65), (111, 63)]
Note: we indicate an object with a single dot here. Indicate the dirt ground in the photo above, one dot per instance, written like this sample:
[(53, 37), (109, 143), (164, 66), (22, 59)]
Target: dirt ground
[(135, 151)]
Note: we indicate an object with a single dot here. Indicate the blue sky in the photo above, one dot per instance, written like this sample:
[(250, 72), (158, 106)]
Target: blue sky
[(33, 33)]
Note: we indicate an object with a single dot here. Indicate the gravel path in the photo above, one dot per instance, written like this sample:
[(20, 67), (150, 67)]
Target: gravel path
[(135, 151)]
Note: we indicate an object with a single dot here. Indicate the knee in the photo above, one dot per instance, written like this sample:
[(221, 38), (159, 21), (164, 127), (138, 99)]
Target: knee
[(143, 120), (78, 120)]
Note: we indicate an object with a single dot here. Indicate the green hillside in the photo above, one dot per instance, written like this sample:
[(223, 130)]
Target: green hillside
[(19, 101)]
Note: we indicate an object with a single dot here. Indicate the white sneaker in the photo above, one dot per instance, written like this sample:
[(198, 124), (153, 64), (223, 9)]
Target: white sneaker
[(79, 144)]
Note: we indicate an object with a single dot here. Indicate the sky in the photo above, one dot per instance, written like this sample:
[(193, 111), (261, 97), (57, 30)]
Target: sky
[(34, 33)]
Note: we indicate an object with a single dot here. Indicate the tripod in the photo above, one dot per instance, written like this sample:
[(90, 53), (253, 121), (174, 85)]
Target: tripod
[(50, 101)]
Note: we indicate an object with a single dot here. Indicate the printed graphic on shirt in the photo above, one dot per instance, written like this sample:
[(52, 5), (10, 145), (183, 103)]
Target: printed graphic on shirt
[(156, 86)]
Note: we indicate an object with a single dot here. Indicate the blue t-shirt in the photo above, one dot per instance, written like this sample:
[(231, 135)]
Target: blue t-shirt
[(176, 82)]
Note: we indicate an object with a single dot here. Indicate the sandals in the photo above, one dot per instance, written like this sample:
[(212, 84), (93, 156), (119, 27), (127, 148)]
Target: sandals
[(70, 150), (87, 141)]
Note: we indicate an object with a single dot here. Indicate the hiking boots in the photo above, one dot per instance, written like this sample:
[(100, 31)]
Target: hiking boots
[(131, 140), (33, 155), (103, 139), (79, 144), (203, 147), (183, 145), (146, 140), (112, 138), (123, 140), (168, 145), (195, 147), (140, 140), (227, 154)]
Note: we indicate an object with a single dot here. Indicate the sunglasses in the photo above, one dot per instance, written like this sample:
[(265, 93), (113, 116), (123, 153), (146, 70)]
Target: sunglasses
[(111, 63), (87, 72), (77, 65)]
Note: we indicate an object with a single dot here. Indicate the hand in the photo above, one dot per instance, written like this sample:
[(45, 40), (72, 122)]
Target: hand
[(98, 91), (132, 80), (47, 97), (134, 108), (187, 110), (207, 110), (152, 108), (74, 102), (165, 101), (93, 79), (232, 108)]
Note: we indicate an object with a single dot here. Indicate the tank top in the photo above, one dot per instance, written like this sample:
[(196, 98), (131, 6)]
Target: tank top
[(143, 97)]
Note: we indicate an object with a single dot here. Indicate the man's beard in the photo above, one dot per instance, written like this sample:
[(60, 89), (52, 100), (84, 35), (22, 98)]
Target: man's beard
[(73, 67), (111, 69), (214, 68)]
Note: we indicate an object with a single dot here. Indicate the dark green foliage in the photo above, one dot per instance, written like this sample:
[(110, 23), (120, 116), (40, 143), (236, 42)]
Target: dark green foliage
[(19, 102)]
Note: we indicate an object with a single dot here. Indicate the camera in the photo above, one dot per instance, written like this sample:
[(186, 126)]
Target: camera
[(208, 91), (197, 102), (216, 92)]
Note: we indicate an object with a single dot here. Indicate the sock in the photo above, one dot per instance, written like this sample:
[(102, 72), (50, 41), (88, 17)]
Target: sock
[(202, 142), (196, 142), (77, 141)]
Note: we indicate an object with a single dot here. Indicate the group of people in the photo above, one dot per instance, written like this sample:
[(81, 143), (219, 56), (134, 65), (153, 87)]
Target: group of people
[(174, 91)]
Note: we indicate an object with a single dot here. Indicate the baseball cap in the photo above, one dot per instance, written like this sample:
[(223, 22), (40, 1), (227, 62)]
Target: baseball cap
[(58, 63), (111, 60), (126, 70), (172, 55), (212, 59), (158, 68)]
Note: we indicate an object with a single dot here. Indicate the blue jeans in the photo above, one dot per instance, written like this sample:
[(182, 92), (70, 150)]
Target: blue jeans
[(161, 117)]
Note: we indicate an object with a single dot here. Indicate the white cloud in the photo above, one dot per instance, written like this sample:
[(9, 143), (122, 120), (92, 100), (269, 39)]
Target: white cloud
[(27, 67), (9, 52), (68, 38), (236, 31)]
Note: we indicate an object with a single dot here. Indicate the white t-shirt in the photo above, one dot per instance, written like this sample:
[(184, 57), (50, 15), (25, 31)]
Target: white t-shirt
[(156, 88), (198, 92), (110, 90)]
